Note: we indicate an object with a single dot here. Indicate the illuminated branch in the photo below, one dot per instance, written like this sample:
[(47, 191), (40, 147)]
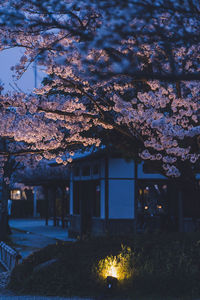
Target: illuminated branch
[(96, 118)]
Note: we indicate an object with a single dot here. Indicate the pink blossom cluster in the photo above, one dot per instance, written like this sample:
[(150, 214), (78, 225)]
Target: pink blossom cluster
[(102, 79)]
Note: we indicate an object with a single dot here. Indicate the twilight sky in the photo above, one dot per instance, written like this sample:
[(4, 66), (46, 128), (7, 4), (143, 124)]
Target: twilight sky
[(8, 58)]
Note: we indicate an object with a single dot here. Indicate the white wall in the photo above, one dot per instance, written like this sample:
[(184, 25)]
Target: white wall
[(121, 199), (121, 188), (120, 168), (121, 174)]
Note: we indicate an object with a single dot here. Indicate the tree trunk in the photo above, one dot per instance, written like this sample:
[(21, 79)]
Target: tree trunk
[(4, 227)]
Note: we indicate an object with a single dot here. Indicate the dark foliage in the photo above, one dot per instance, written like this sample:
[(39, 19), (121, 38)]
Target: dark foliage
[(165, 264)]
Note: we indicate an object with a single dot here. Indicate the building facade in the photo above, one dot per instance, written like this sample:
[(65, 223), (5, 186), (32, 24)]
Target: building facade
[(110, 195)]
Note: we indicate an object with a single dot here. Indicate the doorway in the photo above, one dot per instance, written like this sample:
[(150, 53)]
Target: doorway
[(86, 203)]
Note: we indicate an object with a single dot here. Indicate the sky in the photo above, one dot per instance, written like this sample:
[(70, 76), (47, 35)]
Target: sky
[(26, 83)]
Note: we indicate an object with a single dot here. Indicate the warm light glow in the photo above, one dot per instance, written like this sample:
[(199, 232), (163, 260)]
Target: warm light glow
[(159, 206), (112, 271), (146, 207), (15, 195), (116, 266)]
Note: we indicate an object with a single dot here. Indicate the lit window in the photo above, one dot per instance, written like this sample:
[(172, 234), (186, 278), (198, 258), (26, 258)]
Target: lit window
[(15, 195)]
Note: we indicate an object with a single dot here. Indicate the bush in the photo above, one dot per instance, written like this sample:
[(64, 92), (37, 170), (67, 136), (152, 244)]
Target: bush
[(162, 264)]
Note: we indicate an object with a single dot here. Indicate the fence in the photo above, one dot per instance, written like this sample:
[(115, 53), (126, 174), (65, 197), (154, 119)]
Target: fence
[(9, 258)]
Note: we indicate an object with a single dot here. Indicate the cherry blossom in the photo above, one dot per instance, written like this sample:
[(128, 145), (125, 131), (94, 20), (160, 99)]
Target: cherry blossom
[(128, 69)]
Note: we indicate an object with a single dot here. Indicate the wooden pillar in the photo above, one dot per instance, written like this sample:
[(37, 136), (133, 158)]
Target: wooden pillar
[(63, 205), (46, 204), (54, 205)]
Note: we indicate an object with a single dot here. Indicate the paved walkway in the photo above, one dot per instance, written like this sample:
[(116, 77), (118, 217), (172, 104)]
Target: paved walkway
[(29, 235), (38, 226)]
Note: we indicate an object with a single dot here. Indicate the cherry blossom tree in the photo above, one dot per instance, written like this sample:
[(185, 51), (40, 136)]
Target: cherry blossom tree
[(123, 71), (24, 137), (130, 67)]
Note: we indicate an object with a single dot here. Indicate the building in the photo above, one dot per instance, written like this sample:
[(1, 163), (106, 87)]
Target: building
[(109, 194), (46, 190), (102, 193)]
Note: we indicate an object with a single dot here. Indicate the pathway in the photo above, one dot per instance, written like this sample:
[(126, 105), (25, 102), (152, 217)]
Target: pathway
[(29, 235)]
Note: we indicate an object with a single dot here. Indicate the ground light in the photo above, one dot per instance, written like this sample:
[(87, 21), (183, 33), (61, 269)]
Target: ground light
[(115, 269), (112, 272), (111, 282)]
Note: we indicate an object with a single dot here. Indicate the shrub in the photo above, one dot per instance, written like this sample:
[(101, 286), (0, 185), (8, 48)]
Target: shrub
[(119, 266), (162, 264)]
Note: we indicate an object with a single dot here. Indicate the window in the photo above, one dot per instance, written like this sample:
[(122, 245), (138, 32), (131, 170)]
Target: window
[(15, 195), (152, 198)]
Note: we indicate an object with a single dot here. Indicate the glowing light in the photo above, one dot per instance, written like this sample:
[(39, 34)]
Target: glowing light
[(112, 271), (146, 207), (116, 266), (159, 206)]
